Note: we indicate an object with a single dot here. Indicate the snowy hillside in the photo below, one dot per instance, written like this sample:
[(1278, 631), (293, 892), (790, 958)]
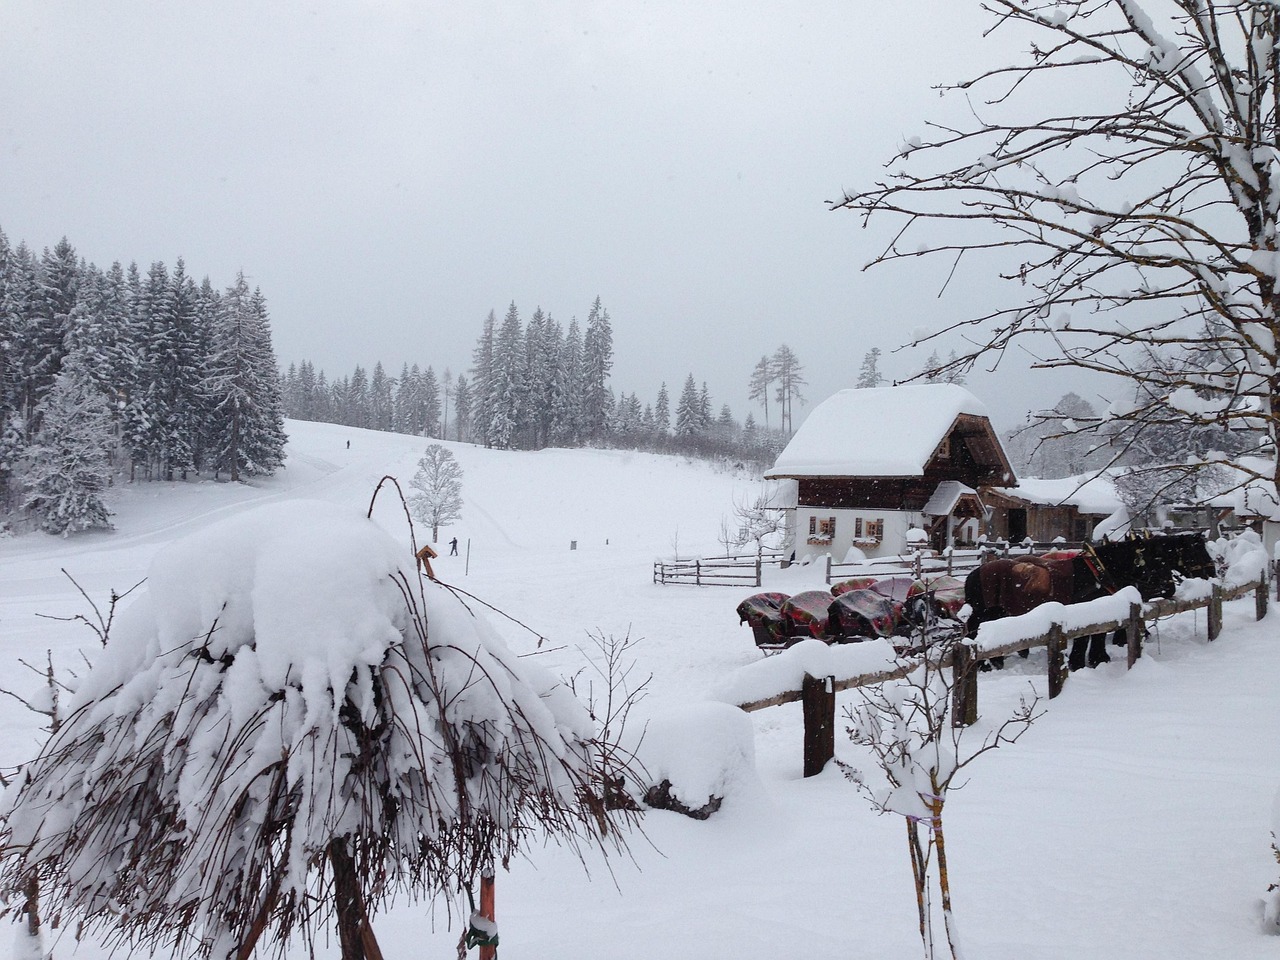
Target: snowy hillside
[(1131, 822)]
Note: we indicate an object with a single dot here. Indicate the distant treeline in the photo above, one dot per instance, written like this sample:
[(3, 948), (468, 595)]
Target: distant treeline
[(531, 386), (113, 372)]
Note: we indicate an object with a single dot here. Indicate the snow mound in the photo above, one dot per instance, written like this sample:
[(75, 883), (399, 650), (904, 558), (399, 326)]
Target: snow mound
[(704, 750)]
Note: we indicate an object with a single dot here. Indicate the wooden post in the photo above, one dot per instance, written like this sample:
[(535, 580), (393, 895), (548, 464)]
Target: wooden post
[(964, 686), (828, 568), (486, 911), (697, 573), (1260, 598), (1057, 668), (819, 702), (1134, 631), (759, 570), (1275, 575), (1215, 612)]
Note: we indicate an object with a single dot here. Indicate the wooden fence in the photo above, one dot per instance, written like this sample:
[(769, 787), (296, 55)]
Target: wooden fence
[(954, 562), (745, 570), (818, 694), (728, 571)]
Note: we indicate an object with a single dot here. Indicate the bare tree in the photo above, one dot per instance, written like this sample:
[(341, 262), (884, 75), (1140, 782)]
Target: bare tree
[(920, 754), (1140, 222), (437, 489)]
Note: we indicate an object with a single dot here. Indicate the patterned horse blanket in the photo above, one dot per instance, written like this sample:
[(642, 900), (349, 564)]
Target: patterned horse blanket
[(861, 614), (763, 612), (807, 613), (855, 583)]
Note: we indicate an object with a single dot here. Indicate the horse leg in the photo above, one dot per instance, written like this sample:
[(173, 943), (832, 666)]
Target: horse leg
[(1079, 649), (1098, 650)]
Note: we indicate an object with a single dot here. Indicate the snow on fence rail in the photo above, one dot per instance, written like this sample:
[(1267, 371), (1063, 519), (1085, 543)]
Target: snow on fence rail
[(813, 672), (952, 562), (728, 571)]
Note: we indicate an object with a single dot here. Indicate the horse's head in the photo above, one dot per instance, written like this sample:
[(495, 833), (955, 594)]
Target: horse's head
[(1186, 554), (1133, 562)]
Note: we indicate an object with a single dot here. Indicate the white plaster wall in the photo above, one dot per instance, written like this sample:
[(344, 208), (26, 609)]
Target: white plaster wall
[(896, 524)]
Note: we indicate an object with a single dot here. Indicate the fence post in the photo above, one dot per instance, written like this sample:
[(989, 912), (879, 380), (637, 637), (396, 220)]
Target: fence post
[(828, 568), (1057, 669), (697, 573), (758, 570), (1215, 612), (818, 697), (964, 686), (1134, 631), (1260, 598)]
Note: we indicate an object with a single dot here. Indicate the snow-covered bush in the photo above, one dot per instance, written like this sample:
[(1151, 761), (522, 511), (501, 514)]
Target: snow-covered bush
[(696, 756), (289, 713)]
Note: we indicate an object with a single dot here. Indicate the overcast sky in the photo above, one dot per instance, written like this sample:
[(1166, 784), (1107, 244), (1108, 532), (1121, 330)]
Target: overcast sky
[(390, 172)]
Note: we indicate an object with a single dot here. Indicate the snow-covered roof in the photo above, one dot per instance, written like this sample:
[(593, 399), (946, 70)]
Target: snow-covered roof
[(1252, 496), (1089, 493), (945, 498), (878, 432)]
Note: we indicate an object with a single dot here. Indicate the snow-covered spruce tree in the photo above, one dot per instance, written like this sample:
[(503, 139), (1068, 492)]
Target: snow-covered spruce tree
[(920, 754), (869, 374), (1138, 220), (68, 467), (246, 427), (597, 361), (266, 745), (436, 496)]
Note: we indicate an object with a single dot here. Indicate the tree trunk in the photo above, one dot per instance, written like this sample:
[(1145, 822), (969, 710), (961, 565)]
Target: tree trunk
[(354, 933)]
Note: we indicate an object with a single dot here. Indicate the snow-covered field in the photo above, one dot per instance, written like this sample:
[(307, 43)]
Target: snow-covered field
[(1130, 822)]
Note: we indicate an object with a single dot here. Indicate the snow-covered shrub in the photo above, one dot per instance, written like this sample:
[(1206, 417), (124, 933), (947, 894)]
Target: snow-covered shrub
[(287, 704), (696, 756)]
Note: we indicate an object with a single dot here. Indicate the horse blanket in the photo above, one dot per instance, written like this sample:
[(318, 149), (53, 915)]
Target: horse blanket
[(807, 613), (763, 612), (862, 614)]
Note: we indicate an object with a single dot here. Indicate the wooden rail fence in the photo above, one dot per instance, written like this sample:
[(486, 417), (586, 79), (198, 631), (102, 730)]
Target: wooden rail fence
[(730, 571), (818, 694)]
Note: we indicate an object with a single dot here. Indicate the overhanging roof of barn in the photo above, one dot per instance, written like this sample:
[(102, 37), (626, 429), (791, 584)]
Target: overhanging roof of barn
[(889, 432)]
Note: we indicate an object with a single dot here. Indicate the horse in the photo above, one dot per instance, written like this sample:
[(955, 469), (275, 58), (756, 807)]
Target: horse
[(1013, 586)]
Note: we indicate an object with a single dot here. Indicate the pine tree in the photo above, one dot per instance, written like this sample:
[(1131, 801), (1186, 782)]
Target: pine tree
[(568, 416), (662, 415), (597, 361), (67, 468), (688, 414), (429, 401), (482, 371), (762, 378), (506, 386), (790, 378), (358, 407), (869, 375), (247, 437), (462, 409), (380, 390), (405, 402)]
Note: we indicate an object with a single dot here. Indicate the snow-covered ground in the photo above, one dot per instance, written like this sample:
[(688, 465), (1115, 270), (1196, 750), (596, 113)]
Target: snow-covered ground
[(1131, 821)]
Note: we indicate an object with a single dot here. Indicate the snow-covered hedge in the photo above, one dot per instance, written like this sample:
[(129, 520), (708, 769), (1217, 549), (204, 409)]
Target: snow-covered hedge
[(287, 680)]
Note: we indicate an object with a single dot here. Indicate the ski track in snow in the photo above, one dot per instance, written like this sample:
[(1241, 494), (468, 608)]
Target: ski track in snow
[(1129, 823)]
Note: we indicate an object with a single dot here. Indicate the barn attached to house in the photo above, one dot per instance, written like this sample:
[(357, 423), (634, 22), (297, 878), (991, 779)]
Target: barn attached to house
[(1072, 508), (871, 465)]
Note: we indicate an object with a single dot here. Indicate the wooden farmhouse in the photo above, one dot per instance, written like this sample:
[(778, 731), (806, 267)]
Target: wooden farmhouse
[(1072, 508), (875, 469)]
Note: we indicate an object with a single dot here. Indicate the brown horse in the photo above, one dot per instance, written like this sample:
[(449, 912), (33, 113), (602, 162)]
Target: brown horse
[(1013, 586)]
